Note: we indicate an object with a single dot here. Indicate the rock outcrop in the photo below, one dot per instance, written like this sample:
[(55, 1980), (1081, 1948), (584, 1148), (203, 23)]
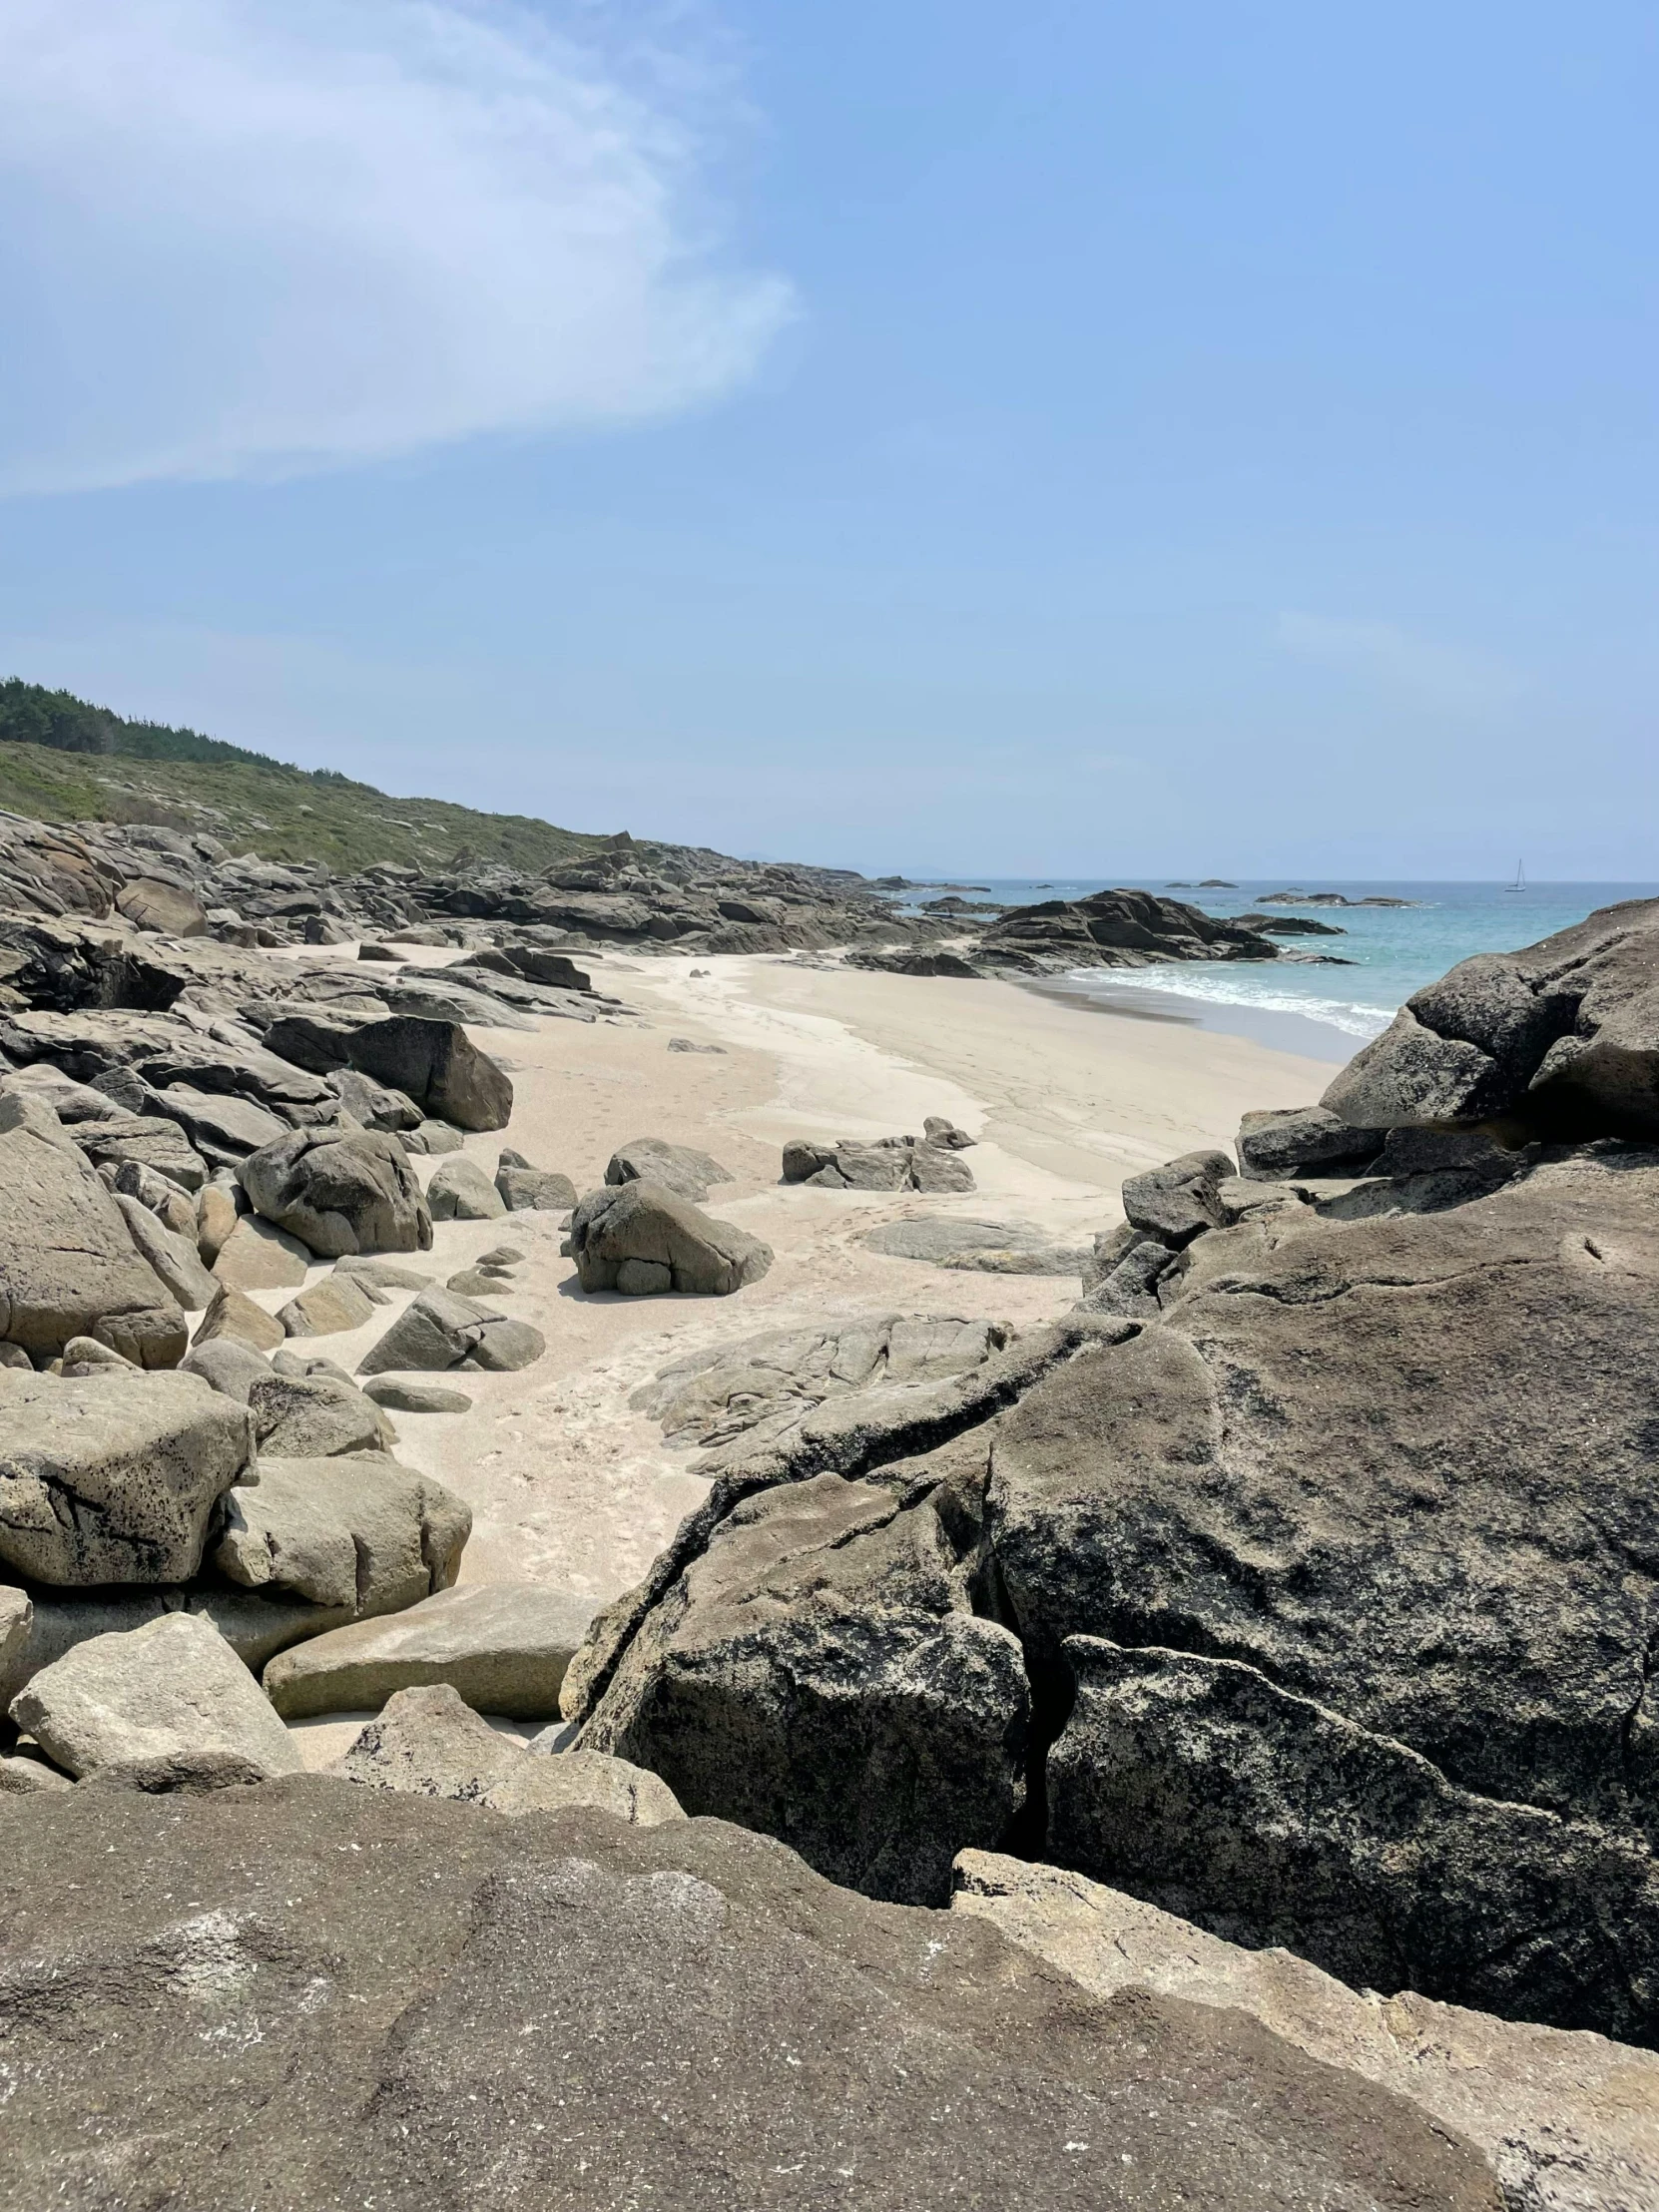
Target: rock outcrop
[(1121, 929), (679, 1168), (373, 1960), (825, 1633), (1570, 2122), (459, 1190), (527, 1189), (1562, 1038), (439, 1329)]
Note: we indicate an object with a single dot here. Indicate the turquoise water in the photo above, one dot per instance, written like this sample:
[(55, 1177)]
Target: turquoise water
[(1330, 1012)]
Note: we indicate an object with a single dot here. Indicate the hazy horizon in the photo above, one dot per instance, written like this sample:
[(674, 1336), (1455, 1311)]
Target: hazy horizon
[(880, 438)]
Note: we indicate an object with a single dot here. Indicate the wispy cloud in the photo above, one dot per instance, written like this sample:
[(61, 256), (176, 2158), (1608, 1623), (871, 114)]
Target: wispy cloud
[(1445, 675), (251, 236)]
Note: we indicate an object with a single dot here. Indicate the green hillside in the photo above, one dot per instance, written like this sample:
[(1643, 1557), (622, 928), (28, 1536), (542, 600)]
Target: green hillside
[(62, 760)]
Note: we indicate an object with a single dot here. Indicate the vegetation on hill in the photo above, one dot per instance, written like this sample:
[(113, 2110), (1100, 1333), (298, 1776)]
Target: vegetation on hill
[(62, 760), (32, 715)]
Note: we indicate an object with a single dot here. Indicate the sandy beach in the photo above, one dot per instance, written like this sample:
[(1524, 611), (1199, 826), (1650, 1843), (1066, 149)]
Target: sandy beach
[(567, 1484)]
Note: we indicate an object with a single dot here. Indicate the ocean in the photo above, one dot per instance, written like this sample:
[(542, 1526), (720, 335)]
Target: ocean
[(1324, 1012)]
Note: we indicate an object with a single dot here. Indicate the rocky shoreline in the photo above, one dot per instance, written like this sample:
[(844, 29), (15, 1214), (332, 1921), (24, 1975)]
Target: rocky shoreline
[(1281, 1619)]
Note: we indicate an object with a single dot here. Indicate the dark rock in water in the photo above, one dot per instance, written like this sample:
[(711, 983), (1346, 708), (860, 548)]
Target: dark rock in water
[(643, 1224), (870, 1720), (1562, 1038), (792, 2044), (1121, 929), (1288, 925), (1271, 1819)]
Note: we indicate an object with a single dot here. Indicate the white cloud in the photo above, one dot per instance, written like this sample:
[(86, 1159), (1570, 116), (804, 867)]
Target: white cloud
[(1445, 676), (255, 235)]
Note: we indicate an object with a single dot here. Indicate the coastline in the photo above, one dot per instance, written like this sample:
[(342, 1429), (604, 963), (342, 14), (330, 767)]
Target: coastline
[(1277, 1029), (568, 1483)]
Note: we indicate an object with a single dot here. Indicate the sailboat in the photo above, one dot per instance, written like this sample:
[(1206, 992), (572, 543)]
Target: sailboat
[(1519, 885)]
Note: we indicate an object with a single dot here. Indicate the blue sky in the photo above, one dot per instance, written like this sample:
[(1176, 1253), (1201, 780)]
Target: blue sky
[(1086, 439)]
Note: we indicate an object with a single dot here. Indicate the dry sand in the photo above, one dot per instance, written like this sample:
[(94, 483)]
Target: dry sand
[(567, 1484)]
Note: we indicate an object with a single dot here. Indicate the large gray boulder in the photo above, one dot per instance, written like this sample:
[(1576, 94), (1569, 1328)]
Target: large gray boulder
[(339, 1194), (232, 1315), (428, 1742), (1570, 2122), (257, 1624), (679, 1168), (639, 1237), (503, 1646), (329, 1307), (144, 1141), (1351, 1456), (313, 1416), (1265, 1817), (114, 1478), (371, 1960), (1177, 1202), (437, 1066), (353, 1531), (1562, 1038), (1303, 1139), (174, 1685), (217, 1121), (526, 1189), (68, 1263), (816, 1672)]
